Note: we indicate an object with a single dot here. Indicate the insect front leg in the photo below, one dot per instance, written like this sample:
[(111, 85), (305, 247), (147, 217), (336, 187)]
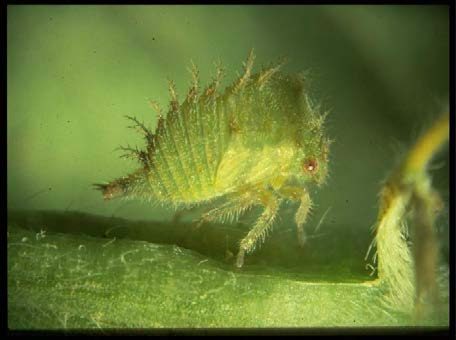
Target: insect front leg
[(301, 217), (271, 203), (299, 194)]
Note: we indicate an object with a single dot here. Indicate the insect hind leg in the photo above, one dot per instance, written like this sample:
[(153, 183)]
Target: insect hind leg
[(261, 227)]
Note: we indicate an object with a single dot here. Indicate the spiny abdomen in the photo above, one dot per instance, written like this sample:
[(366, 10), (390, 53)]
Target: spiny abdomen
[(188, 146), (181, 158)]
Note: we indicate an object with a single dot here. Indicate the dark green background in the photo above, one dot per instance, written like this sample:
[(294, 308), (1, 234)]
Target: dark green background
[(75, 71)]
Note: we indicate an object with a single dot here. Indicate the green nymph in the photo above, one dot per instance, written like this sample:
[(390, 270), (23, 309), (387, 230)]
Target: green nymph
[(258, 142)]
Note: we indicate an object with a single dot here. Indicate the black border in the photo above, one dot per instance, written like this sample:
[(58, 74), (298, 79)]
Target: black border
[(233, 2), (430, 331)]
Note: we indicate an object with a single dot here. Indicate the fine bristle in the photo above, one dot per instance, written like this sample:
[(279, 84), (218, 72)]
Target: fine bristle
[(248, 66), (267, 73), (174, 102), (194, 87)]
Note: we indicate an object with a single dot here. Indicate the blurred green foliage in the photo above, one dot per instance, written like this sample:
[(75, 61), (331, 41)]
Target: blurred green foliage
[(75, 71)]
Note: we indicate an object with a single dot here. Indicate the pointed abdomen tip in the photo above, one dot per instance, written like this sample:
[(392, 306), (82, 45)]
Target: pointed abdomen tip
[(109, 191)]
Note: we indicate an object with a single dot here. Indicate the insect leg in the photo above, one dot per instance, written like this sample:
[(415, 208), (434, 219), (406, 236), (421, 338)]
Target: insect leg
[(301, 194), (232, 209), (258, 232), (301, 216)]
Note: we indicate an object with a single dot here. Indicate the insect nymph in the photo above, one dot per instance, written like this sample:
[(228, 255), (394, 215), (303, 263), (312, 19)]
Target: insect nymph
[(257, 143)]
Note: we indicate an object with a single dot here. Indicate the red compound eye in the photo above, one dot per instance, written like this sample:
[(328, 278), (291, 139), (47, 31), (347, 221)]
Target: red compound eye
[(310, 165)]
